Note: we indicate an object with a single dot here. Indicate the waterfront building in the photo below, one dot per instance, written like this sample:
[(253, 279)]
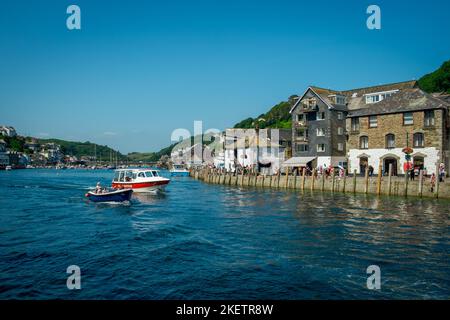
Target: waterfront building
[(319, 122), (4, 158), (318, 125), (377, 132), (8, 131), (264, 149)]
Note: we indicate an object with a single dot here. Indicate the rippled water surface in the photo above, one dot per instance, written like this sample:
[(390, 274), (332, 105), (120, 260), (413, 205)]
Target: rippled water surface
[(202, 241)]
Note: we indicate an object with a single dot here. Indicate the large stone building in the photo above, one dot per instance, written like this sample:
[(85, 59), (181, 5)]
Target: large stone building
[(377, 132), (319, 122)]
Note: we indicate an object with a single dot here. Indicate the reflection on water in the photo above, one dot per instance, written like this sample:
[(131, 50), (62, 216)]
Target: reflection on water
[(205, 241)]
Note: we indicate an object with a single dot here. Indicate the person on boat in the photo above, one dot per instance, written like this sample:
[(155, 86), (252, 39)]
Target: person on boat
[(98, 188)]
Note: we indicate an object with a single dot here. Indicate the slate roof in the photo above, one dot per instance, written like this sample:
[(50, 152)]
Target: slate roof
[(403, 101)]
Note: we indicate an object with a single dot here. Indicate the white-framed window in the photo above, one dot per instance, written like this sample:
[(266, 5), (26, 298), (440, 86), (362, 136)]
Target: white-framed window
[(429, 118), (320, 132), (340, 146), (321, 147), (320, 115), (364, 142), (408, 118), (340, 115), (301, 117), (419, 140), (373, 98), (340, 131), (355, 124), (373, 123), (390, 141)]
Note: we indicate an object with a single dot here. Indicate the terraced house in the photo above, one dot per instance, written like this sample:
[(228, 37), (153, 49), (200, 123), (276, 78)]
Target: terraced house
[(380, 127)]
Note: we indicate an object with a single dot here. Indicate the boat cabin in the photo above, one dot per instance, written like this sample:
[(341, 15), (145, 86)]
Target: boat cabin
[(128, 175)]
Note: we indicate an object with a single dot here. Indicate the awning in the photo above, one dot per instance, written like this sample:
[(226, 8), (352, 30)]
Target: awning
[(298, 161)]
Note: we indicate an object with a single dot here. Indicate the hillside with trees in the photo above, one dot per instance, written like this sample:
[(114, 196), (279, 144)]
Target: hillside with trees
[(437, 81)]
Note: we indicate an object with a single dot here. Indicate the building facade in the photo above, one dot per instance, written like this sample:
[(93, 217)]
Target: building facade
[(318, 129), (378, 133)]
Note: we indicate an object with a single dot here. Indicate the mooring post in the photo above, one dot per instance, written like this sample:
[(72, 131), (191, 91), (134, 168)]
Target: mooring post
[(313, 179), (354, 181), (286, 182), (345, 181), (366, 181), (333, 175), (303, 178), (390, 179), (420, 183), (380, 168), (278, 178), (405, 191), (242, 178), (294, 174), (322, 188)]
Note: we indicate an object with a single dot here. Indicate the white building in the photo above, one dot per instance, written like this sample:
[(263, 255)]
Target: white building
[(8, 131)]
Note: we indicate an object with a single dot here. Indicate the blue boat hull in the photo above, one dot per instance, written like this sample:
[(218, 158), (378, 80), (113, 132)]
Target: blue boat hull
[(115, 196), (179, 174)]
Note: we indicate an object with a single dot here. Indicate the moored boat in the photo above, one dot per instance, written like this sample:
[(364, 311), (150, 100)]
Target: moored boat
[(119, 195), (139, 180), (179, 171)]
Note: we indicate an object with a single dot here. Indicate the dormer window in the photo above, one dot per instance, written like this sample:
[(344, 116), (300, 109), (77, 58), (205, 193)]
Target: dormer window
[(340, 100), (378, 96)]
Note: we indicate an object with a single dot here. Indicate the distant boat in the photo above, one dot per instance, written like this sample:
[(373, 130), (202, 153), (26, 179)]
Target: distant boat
[(120, 195), (8, 168), (140, 180), (179, 171)]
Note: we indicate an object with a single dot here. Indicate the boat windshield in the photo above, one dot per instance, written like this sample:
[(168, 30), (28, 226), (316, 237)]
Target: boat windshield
[(116, 176), (128, 175), (148, 174)]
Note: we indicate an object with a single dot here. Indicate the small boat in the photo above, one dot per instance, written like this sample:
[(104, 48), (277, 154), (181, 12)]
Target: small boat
[(139, 180), (120, 195), (179, 171), (7, 168)]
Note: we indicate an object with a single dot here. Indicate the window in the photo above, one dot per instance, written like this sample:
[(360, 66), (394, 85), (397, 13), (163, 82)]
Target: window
[(429, 118), (320, 115), (155, 173), (408, 118), (373, 122), (355, 124), (141, 175), (302, 133), (302, 147), (340, 131), (340, 115), (116, 176), (373, 98), (320, 132), (321, 147), (364, 142), (122, 176), (340, 100), (340, 146), (148, 174), (390, 141), (300, 117), (418, 139)]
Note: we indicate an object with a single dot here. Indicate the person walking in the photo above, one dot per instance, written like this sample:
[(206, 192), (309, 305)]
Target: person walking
[(441, 172), (433, 181)]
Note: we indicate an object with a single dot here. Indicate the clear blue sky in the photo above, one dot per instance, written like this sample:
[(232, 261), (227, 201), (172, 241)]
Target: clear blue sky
[(139, 69)]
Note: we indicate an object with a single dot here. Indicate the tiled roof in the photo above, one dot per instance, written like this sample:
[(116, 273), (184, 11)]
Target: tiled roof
[(403, 101)]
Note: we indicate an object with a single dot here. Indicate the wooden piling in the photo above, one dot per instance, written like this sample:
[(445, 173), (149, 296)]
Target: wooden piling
[(333, 174), (366, 181), (303, 178), (354, 181), (389, 179), (322, 187), (313, 178), (405, 187), (286, 182), (420, 183), (380, 168)]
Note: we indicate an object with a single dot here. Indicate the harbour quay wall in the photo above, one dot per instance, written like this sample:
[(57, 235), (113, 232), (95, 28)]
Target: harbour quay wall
[(376, 185)]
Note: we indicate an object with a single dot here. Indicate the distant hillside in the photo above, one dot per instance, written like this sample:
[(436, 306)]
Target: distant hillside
[(87, 149), (437, 81), (150, 156), (277, 117)]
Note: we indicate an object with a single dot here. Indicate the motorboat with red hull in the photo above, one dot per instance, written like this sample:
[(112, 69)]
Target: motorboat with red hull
[(139, 180)]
